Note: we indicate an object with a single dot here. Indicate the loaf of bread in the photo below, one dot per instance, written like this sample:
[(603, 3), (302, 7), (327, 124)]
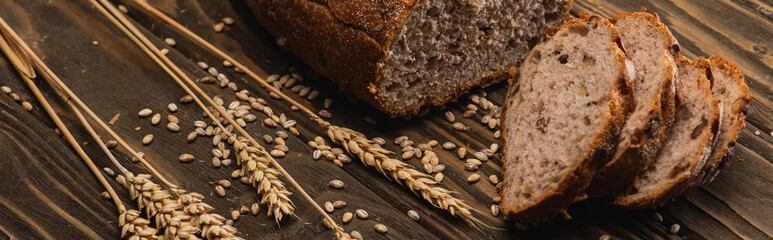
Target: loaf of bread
[(730, 89), (400, 55), (688, 144), (651, 47), (561, 118)]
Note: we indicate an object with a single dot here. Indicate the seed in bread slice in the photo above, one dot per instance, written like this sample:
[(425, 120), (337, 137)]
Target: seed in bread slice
[(730, 89), (562, 116), (687, 146), (650, 46)]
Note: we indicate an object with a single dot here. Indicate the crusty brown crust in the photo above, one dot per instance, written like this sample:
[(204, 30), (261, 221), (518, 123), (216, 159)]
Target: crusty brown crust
[(578, 179), (628, 162), (722, 152), (685, 178), (345, 40)]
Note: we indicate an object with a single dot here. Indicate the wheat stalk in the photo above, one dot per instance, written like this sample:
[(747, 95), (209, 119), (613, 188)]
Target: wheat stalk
[(152, 51), (32, 59), (180, 219), (420, 183), (133, 226), (277, 186), (396, 170)]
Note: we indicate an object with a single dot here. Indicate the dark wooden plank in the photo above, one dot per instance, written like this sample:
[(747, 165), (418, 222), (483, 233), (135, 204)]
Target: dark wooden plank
[(115, 77)]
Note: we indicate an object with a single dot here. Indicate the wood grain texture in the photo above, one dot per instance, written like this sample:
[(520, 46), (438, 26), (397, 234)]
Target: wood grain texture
[(46, 191)]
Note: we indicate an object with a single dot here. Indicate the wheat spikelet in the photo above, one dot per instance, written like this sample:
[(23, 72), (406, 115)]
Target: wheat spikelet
[(420, 183), (134, 227), (160, 205), (211, 225), (254, 163)]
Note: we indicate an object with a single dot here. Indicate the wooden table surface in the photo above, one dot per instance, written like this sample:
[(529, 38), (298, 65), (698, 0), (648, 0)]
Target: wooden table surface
[(47, 192)]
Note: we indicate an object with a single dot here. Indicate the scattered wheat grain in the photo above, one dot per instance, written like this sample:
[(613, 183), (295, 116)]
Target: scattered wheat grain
[(313, 94), (493, 123), (674, 229), (462, 152), (170, 41), (109, 171), (657, 217), (218, 27), (348, 216), (450, 117), (173, 127), (439, 177), (111, 143), (147, 139), (220, 191), (381, 228), (269, 122), (329, 207), (470, 167), (337, 184), (145, 112), (277, 153), (362, 214), (356, 235), (413, 215), (473, 178), (186, 157), (480, 156), (192, 136), (255, 209), (494, 147), (207, 80), (493, 179), (407, 155)]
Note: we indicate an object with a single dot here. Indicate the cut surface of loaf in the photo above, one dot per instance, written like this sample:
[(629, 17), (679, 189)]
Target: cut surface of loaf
[(687, 146), (561, 118), (650, 46), (399, 55), (729, 87)]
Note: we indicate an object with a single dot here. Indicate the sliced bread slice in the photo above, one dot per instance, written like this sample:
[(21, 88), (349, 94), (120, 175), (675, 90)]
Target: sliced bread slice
[(651, 47), (687, 146), (730, 89), (561, 118)]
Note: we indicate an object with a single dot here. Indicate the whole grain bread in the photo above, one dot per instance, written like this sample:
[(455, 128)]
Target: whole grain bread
[(688, 145), (400, 55), (651, 47), (561, 118), (729, 87)]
